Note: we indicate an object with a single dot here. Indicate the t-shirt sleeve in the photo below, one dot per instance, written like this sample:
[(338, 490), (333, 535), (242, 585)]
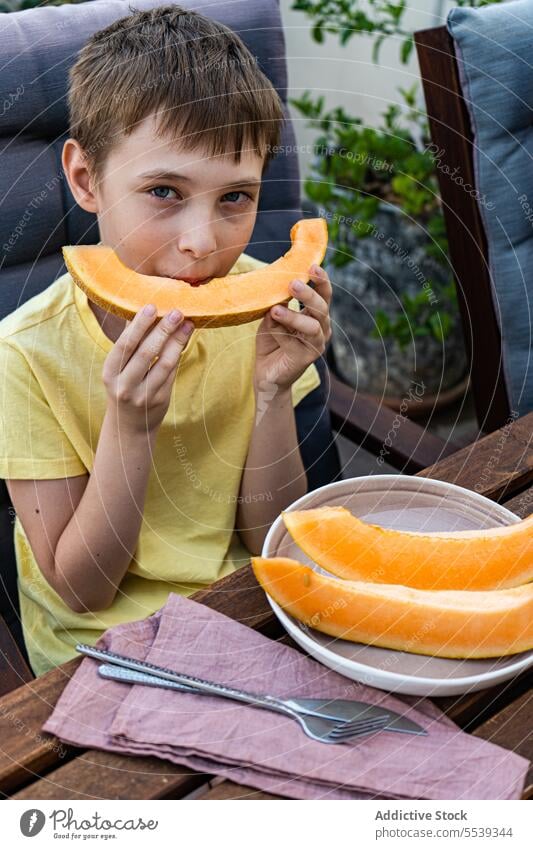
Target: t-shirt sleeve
[(307, 381), (33, 445)]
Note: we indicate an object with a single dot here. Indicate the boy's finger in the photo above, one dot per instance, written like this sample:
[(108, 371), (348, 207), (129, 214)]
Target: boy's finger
[(322, 281), (151, 388), (130, 338), (297, 322), (168, 359), (151, 346), (312, 300)]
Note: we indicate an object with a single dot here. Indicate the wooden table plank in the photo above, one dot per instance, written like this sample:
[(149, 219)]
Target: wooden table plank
[(521, 504), (230, 790), (239, 596), (26, 750), (472, 709), (104, 775), (14, 670), (496, 466), (512, 728)]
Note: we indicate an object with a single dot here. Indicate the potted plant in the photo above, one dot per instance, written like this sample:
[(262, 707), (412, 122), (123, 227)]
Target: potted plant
[(394, 308), (21, 5)]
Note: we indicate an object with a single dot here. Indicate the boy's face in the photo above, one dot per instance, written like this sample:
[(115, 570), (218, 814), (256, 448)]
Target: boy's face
[(192, 226)]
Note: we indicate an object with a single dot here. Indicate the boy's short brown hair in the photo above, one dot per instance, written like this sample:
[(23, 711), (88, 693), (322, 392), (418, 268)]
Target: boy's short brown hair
[(196, 73)]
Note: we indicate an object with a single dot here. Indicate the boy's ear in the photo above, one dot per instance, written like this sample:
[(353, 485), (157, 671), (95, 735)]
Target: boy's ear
[(77, 174)]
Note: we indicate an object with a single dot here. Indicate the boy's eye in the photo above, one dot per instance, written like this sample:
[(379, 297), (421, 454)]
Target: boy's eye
[(162, 189), (246, 196), (161, 192)]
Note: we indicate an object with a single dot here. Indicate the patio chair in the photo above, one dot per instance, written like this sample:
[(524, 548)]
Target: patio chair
[(37, 47), (478, 85)]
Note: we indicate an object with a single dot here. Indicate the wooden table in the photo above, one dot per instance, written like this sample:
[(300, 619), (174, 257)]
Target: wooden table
[(34, 765)]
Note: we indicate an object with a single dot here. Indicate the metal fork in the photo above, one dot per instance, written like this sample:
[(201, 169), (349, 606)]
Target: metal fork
[(318, 728), (327, 709)]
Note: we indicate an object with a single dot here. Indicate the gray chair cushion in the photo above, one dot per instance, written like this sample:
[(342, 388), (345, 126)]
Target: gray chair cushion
[(493, 46), (38, 212)]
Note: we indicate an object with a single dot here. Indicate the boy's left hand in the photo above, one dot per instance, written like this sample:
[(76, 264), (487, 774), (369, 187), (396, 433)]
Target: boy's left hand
[(287, 343)]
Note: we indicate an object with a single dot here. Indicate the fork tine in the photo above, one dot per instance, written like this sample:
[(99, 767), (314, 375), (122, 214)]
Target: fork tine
[(340, 733), (360, 723), (360, 732), (357, 723)]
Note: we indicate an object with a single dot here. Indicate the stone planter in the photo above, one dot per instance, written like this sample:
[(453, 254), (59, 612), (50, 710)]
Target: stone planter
[(389, 262)]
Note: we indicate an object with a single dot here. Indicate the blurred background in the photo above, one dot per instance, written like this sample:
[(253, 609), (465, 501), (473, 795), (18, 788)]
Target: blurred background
[(369, 167), (347, 74)]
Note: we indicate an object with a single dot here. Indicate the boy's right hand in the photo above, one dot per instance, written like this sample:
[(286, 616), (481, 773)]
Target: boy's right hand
[(139, 395)]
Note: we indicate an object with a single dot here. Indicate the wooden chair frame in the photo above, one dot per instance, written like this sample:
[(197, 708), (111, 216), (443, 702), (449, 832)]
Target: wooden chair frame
[(451, 133)]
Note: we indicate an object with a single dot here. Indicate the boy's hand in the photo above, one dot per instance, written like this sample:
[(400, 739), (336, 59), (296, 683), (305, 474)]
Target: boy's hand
[(287, 343), (138, 387)]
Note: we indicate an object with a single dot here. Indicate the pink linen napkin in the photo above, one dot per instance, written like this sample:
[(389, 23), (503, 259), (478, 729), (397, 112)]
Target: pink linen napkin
[(260, 748)]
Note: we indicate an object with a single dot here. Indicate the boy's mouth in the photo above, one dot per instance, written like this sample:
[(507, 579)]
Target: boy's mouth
[(194, 281)]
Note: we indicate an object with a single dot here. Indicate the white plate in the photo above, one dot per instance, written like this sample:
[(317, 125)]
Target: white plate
[(409, 504)]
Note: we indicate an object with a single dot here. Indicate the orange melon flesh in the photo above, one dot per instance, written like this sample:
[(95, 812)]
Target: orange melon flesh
[(223, 301), (344, 545), (442, 623)]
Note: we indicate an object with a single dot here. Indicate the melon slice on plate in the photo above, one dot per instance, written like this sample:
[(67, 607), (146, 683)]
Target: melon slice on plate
[(493, 558), (443, 623)]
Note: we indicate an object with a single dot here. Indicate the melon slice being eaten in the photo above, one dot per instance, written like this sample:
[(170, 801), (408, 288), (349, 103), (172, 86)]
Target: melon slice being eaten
[(442, 623), (223, 301), (494, 558)]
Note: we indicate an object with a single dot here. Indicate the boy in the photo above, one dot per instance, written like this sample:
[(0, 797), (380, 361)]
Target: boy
[(146, 457)]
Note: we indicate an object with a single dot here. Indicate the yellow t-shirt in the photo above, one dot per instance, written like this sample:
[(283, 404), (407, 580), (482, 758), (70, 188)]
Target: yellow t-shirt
[(52, 405)]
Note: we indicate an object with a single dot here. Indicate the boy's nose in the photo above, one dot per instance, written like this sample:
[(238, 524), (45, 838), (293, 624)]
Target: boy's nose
[(198, 239)]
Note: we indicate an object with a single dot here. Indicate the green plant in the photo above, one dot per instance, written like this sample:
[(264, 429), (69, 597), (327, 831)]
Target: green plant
[(358, 168), (388, 166), (20, 5), (418, 318), (377, 18)]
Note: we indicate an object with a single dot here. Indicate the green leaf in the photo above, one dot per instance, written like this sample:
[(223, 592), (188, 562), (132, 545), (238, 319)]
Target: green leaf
[(376, 47), (317, 32), (346, 34), (383, 325), (406, 49), (396, 10), (437, 327), (409, 94)]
